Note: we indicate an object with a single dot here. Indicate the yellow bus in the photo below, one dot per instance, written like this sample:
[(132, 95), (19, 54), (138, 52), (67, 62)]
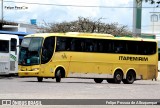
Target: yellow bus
[(88, 55)]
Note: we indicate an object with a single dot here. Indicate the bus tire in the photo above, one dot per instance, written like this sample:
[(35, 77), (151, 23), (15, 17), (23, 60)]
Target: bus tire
[(58, 75), (110, 81), (130, 78), (98, 80), (118, 76), (40, 79)]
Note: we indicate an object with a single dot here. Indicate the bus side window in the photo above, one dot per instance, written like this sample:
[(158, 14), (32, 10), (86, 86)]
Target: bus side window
[(48, 48), (72, 45), (150, 48), (82, 46), (61, 44), (100, 47), (119, 48), (92, 46), (68, 44), (95, 46), (13, 44), (79, 45)]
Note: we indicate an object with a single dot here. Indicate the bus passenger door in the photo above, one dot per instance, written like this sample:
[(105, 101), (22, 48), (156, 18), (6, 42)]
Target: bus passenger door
[(14, 55), (46, 56)]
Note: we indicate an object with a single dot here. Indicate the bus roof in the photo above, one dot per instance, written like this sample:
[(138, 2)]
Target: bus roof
[(20, 34), (13, 33), (7, 36), (73, 34), (88, 35)]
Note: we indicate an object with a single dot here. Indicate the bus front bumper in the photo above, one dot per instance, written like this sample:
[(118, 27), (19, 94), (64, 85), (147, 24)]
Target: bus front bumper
[(28, 73)]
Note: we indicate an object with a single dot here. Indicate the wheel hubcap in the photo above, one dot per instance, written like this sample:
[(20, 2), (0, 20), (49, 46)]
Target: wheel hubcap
[(118, 77)]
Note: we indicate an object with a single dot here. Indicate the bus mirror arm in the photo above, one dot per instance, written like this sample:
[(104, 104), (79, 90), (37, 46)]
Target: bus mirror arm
[(18, 45)]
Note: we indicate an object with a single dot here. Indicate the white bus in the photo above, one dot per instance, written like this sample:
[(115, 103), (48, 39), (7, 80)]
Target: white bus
[(9, 54), (158, 39)]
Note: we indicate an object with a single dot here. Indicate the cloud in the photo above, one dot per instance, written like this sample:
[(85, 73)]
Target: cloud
[(53, 13), (116, 2)]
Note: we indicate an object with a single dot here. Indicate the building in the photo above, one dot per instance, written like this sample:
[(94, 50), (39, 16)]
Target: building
[(18, 27)]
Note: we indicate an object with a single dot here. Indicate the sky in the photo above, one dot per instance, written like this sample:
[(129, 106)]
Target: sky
[(114, 11)]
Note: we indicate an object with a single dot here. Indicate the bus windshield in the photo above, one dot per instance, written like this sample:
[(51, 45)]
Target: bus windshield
[(4, 46), (30, 51)]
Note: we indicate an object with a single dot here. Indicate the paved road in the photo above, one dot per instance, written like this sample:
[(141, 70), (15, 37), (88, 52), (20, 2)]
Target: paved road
[(29, 88)]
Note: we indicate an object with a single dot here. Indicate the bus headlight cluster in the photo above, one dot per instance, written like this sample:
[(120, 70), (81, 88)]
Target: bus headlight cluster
[(35, 69)]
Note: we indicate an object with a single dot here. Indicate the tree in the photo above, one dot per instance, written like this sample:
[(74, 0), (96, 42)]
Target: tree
[(90, 26)]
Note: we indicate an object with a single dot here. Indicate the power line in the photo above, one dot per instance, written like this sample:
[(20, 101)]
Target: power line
[(76, 5)]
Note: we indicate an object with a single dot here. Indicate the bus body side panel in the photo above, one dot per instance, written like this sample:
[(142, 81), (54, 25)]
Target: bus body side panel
[(90, 65), (47, 70), (4, 63), (145, 66), (97, 65), (59, 59), (14, 62), (104, 65)]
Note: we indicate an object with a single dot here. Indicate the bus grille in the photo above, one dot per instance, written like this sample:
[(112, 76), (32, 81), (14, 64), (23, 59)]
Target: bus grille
[(3, 67), (12, 65)]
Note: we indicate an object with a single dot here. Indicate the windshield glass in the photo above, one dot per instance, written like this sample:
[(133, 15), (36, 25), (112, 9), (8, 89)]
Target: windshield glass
[(30, 51), (4, 46)]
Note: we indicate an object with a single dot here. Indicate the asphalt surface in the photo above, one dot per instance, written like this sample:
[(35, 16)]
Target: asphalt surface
[(29, 88)]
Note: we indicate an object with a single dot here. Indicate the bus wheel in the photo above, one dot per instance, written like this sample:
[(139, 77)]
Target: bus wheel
[(98, 80), (110, 81), (118, 76), (58, 76), (130, 78), (40, 79)]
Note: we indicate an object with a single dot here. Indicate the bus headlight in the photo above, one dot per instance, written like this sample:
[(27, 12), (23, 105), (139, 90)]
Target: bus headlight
[(35, 69)]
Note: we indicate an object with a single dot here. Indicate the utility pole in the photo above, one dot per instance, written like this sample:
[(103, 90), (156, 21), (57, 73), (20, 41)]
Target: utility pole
[(2, 10), (137, 16)]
